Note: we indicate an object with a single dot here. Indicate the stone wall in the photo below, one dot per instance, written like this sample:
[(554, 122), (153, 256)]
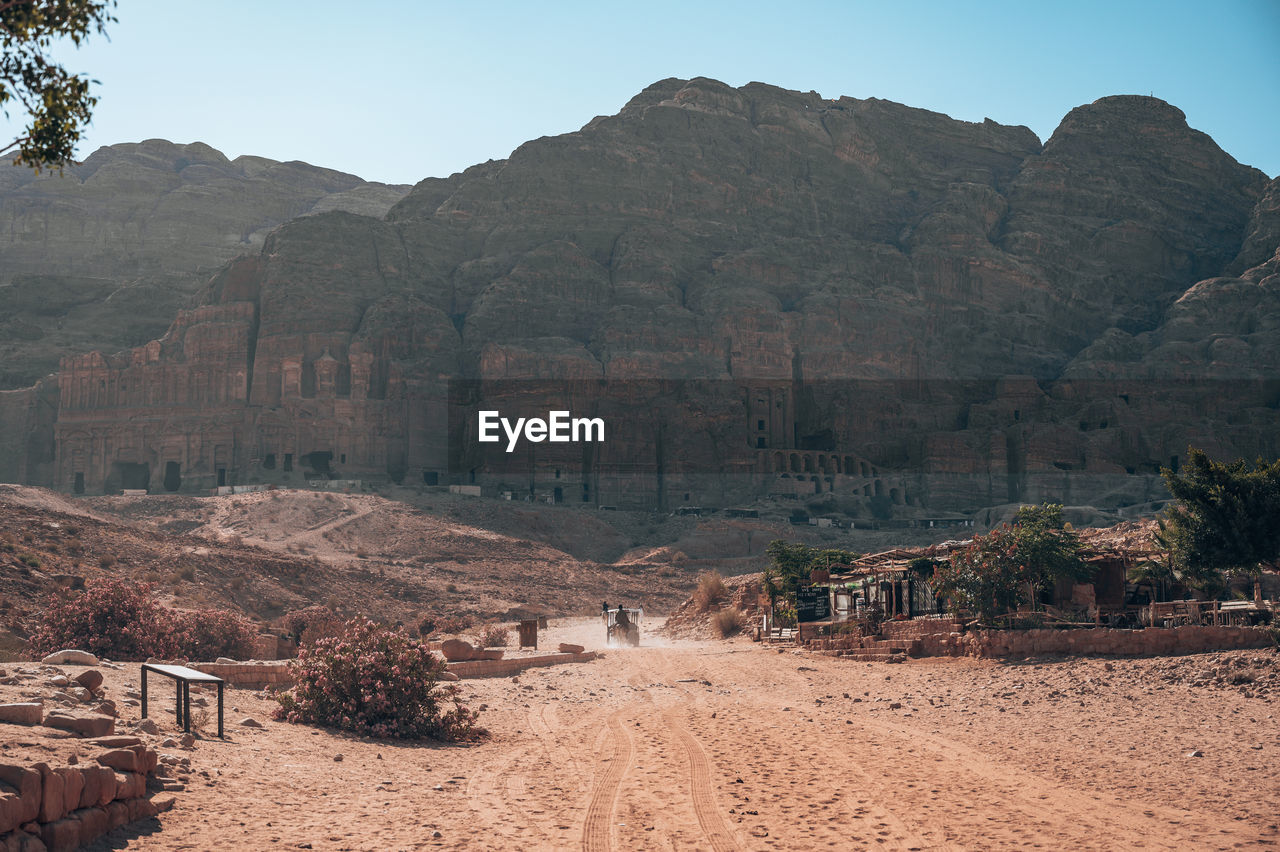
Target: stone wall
[(927, 637), (918, 627), (504, 668), (62, 808), (254, 674), (1191, 639)]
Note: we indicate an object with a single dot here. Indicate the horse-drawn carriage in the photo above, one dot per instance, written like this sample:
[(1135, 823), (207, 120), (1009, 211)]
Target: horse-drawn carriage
[(624, 630)]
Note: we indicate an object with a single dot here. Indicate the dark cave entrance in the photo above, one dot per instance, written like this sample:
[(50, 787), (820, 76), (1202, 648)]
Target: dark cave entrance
[(172, 476), (132, 475), (318, 462)]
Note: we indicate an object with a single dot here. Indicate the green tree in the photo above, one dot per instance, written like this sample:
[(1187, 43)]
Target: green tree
[(1226, 521), (57, 102), (792, 564), (1007, 567)]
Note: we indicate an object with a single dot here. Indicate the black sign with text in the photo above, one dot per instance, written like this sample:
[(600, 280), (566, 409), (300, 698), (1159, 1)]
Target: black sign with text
[(812, 604)]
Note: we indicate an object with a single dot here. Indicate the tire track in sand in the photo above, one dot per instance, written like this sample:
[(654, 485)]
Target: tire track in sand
[(597, 828), (702, 790)]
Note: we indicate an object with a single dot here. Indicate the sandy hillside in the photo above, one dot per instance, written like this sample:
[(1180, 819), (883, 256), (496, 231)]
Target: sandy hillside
[(265, 554)]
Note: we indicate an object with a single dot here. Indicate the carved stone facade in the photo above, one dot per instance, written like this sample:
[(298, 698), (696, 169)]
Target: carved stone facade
[(181, 413)]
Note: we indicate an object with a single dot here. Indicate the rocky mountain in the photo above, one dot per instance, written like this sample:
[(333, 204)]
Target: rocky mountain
[(861, 305), (102, 255)]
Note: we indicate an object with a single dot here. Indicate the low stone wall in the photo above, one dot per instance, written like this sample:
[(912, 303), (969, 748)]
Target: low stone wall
[(1103, 641), (268, 646), (62, 808), (505, 668), (917, 627), (938, 638), (254, 674)]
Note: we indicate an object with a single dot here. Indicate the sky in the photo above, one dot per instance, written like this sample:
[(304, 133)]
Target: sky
[(400, 91)]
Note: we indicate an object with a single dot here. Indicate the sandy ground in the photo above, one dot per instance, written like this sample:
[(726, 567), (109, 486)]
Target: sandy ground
[(732, 745)]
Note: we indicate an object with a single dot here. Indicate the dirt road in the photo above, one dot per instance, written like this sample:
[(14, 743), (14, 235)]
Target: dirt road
[(729, 746)]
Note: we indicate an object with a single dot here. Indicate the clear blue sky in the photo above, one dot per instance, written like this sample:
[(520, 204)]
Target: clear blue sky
[(398, 91)]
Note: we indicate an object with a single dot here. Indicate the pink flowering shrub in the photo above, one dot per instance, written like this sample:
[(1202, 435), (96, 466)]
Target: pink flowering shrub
[(110, 618), (312, 623), (376, 682), (119, 619), (207, 634)]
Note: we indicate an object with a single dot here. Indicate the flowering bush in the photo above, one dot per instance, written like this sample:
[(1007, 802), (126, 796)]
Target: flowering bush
[(376, 682), (211, 633), (312, 623), (493, 636), (120, 620), (1009, 565), (110, 618)]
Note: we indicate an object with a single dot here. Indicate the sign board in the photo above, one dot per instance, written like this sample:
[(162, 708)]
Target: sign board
[(812, 604)]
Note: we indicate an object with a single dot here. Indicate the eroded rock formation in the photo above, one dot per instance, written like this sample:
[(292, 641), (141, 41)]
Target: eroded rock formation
[(886, 304), (104, 254)]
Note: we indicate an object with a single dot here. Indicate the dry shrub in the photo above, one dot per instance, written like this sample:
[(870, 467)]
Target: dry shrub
[(452, 624), (727, 622), (710, 591), (494, 636)]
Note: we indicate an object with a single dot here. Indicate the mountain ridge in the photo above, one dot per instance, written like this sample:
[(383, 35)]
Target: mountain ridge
[(750, 236)]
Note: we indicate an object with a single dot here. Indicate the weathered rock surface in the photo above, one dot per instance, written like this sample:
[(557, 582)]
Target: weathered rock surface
[(84, 724), (70, 657), (457, 650), (22, 713), (90, 680), (103, 255), (887, 308)]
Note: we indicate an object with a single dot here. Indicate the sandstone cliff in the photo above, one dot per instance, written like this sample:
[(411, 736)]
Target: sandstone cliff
[(103, 255), (881, 305)]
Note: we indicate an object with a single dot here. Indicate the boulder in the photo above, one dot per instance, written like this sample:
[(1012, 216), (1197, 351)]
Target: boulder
[(24, 784), (568, 648), (84, 724), (52, 793), (457, 651), (61, 835), (70, 657), (72, 787), (126, 760), (90, 679), (24, 713), (488, 654)]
